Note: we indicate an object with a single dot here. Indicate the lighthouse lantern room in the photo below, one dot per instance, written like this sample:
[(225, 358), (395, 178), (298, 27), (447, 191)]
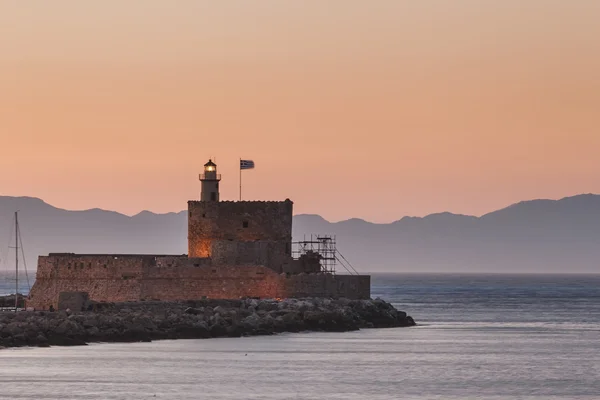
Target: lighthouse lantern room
[(210, 182)]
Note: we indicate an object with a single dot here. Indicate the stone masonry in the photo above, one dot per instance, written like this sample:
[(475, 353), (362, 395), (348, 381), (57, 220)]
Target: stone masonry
[(214, 227), (173, 278)]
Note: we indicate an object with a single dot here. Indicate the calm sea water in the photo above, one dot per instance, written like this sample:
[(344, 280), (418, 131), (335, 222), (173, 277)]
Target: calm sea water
[(480, 337), (8, 282)]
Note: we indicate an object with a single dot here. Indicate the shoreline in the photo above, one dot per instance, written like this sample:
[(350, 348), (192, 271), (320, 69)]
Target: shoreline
[(199, 319)]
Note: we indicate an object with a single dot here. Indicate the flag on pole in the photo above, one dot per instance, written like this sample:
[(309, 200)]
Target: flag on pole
[(246, 164)]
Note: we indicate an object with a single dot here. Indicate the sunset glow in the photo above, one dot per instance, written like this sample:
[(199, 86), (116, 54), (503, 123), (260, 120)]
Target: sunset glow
[(349, 108)]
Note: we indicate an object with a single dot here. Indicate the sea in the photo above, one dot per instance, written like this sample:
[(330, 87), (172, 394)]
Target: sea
[(478, 337), (8, 282)]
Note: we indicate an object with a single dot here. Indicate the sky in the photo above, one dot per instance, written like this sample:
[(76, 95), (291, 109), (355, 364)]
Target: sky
[(373, 110)]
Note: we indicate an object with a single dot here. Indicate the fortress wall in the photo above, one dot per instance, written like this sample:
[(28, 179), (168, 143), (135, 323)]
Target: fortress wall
[(223, 282), (271, 254), (244, 221), (73, 266), (170, 278), (177, 261), (327, 285), (103, 277)]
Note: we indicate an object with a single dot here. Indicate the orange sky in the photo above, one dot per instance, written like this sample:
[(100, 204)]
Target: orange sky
[(350, 108)]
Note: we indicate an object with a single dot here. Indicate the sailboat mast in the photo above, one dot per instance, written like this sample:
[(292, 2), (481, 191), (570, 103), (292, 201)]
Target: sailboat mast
[(16, 260)]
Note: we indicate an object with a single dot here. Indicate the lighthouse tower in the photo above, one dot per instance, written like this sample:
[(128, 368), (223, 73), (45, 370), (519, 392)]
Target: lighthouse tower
[(210, 182)]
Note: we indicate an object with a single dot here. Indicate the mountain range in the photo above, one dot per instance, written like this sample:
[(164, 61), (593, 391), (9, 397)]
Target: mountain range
[(538, 236)]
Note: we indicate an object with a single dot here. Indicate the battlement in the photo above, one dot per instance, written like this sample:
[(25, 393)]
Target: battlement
[(75, 255), (243, 201)]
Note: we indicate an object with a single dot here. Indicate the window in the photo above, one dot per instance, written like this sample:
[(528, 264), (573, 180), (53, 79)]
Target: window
[(245, 224), (203, 215), (213, 196)]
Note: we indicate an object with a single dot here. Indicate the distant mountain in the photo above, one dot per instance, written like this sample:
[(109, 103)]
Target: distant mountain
[(547, 236), (46, 229), (532, 236)]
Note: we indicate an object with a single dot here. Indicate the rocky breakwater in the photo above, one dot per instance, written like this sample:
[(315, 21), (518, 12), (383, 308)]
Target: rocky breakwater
[(146, 321)]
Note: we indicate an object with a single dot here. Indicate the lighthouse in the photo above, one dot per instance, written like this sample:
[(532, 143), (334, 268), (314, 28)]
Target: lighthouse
[(210, 182)]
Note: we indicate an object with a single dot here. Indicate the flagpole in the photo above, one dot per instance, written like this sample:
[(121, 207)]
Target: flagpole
[(240, 166)]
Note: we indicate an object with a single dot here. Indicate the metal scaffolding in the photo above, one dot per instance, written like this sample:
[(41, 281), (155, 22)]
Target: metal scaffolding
[(325, 247)]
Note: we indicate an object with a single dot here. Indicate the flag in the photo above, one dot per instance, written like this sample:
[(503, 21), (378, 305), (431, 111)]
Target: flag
[(246, 164)]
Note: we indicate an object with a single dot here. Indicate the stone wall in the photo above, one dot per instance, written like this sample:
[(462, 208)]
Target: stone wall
[(102, 276), (271, 254), (74, 301), (240, 221), (140, 277), (222, 282), (328, 285)]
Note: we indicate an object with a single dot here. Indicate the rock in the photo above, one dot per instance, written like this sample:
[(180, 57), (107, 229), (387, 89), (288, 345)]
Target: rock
[(193, 311), (291, 316), (89, 322), (218, 330), (93, 331), (41, 340), (153, 320), (268, 305), (219, 310), (252, 322), (279, 324)]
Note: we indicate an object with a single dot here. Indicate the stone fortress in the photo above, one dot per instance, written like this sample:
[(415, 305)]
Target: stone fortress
[(236, 249)]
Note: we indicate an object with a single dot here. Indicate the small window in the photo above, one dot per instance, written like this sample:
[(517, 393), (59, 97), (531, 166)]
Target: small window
[(190, 214), (245, 224), (213, 196), (203, 215)]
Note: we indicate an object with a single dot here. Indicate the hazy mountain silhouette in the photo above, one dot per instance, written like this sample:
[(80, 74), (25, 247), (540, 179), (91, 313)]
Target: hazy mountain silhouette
[(531, 236)]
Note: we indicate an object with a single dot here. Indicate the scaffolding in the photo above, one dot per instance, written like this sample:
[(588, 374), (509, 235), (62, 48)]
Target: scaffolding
[(326, 249)]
